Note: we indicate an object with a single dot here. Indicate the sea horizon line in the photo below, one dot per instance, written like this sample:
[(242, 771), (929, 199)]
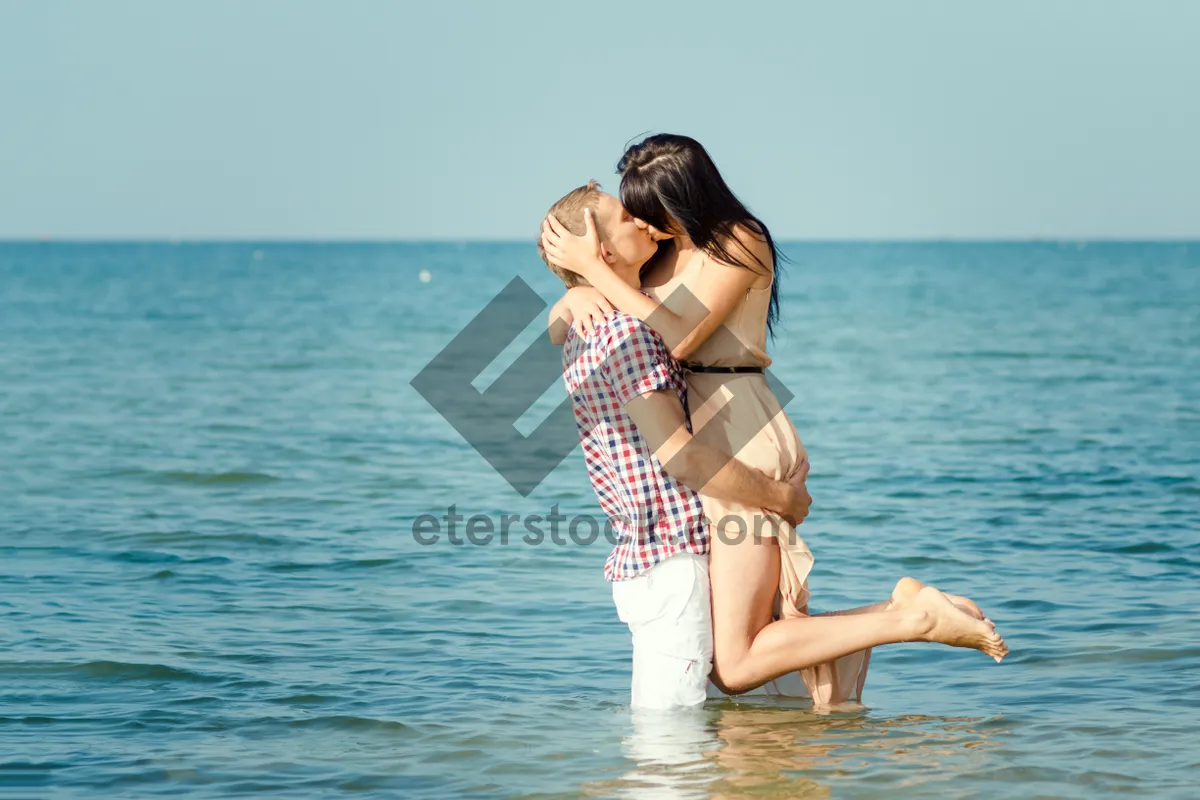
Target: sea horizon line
[(277, 240)]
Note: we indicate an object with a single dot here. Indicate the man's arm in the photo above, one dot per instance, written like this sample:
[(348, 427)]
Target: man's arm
[(660, 418)]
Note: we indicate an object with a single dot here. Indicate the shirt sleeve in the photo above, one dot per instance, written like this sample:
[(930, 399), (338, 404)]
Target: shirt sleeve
[(638, 362)]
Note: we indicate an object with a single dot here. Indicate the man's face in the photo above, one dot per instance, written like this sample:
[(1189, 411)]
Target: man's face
[(627, 243)]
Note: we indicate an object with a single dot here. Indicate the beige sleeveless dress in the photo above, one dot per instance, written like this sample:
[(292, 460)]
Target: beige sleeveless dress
[(748, 422)]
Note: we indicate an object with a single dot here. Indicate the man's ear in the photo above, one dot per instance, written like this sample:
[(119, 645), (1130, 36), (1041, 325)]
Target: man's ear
[(607, 254)]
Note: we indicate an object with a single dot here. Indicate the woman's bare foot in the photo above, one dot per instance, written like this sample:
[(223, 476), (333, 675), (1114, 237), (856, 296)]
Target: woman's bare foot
[(907, 588), (948, 624), (904, 593)]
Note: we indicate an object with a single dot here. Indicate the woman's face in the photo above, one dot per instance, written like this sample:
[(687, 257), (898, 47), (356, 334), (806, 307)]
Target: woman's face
[(654, 232), (626, 238)]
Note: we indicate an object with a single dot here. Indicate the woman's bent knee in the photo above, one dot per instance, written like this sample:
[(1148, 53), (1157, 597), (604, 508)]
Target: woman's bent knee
[(734, 679)]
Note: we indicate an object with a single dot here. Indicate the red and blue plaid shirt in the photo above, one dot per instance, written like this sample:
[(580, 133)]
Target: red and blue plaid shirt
[(653, 515)]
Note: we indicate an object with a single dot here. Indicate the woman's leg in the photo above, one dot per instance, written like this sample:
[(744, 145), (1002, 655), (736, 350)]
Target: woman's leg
[(905, 591), (751, 649)]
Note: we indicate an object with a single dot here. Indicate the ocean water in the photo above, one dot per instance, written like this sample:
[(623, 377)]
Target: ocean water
[(211, 461)]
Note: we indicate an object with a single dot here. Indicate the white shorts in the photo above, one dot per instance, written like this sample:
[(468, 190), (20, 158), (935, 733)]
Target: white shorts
[(667, 610)]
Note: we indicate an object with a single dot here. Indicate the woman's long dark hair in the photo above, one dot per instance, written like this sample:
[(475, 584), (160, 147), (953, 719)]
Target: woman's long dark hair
[(668, 177)]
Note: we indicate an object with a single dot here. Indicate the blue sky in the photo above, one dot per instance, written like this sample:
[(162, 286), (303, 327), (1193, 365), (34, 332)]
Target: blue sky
[(452, 120)]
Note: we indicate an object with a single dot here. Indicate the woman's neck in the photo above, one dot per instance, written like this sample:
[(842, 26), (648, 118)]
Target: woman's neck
[(666, 266), (685, 250), (685, 246)]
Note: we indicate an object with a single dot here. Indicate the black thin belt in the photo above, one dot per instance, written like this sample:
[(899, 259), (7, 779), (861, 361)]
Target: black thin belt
[(724, 370)]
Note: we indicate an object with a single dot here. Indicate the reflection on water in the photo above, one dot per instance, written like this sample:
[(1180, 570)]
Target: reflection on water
[(672, 754), (772, 749)]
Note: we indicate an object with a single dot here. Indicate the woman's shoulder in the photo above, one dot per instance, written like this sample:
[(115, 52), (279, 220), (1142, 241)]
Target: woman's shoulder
[(746, 246), (749, 234)]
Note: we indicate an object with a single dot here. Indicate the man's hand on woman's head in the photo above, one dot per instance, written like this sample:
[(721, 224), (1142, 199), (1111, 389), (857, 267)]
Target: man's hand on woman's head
[(579, 254)]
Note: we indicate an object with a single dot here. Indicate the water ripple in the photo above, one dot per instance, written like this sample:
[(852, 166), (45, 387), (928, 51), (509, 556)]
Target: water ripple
[(211, 588)]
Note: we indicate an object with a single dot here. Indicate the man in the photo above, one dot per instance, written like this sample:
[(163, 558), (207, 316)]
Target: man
[(630, 399)]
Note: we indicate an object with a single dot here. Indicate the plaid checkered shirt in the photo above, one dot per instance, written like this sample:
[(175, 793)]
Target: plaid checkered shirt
[(653, 515)]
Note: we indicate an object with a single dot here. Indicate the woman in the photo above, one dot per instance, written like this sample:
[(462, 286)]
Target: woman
[(712, 295)]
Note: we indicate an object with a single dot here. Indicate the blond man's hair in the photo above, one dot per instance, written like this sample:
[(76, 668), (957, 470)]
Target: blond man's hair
[(569, 211)]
